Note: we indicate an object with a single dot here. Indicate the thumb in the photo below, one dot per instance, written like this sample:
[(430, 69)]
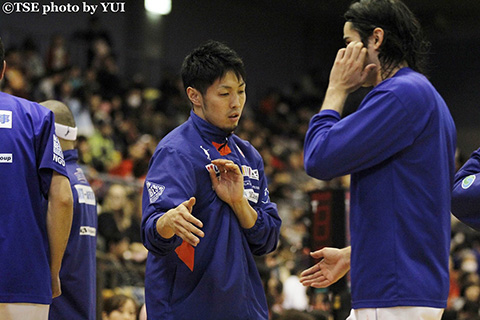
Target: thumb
[(189, 204), (318, 254), (371, 68)]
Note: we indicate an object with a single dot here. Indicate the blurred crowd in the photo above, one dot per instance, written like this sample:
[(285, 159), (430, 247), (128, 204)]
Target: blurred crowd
[(120, 120)]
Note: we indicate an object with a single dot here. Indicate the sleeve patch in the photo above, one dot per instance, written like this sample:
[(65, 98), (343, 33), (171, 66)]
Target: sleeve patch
[(468, 181), (154, 191)]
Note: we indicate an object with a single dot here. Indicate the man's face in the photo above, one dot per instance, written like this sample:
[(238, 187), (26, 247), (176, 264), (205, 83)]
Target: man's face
[(223, 102)]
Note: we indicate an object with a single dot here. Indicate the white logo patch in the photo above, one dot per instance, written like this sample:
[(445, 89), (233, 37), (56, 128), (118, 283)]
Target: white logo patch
[(154, 191), (206, 152), (468, 181), (85, 194), (6, 119), (57, 152), (266, 196), (249, 172), (6, 158), (250, 195), (88, 231)]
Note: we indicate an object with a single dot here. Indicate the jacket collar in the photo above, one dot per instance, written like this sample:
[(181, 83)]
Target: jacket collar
[(208, 130)]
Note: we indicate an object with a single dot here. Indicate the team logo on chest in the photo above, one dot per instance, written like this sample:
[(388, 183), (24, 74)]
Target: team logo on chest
[(206, 153), (249, 172), (5, 119)]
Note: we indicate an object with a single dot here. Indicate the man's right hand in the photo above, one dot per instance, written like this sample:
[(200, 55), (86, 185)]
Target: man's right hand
[(334, 265), (349, 71), (180, 221)]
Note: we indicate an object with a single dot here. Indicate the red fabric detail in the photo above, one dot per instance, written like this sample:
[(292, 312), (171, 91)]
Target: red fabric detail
[(186, 253), (224, 149)]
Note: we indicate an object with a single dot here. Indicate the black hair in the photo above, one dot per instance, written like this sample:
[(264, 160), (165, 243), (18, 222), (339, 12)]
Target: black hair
[(208, 63), (403, 37)]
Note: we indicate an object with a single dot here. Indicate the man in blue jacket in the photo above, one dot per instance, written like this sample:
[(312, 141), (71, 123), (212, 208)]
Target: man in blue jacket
[(466, 192), (206, 206), (399, 148), (33, 236), (78, 273)]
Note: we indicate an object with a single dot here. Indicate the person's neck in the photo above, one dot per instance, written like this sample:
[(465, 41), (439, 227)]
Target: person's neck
[(381, 76), (66, 144)]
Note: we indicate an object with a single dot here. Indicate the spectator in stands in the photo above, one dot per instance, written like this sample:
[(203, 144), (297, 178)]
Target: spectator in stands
[(116, 219), (119, 307)]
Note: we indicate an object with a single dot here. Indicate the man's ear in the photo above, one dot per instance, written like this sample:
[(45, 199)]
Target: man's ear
[(4, 67), (194, 96), (378, 34)]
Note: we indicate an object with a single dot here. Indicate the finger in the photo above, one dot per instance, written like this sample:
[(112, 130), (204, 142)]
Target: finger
[(189, 204), (362, 54), (358, 51), (371, 68), (349, 50), (221, 163), (190, 234), (310, 270), (194, 230), (232, 167), (190, 239), (318, 254), (315, 281), (322, 284), (312, 276), (181, 218), (340, 54), (214, 177), (190, 220)]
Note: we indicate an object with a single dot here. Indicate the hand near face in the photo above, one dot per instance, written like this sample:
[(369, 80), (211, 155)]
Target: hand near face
[(349, 71)]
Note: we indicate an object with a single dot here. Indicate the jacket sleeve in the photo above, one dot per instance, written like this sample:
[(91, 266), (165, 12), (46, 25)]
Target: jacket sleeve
[(466, 192), (380, 128), (170, 181), (263, 236)]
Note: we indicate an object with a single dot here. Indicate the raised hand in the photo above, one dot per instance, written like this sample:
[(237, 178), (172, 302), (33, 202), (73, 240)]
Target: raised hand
[(229, 183), (349, 71)]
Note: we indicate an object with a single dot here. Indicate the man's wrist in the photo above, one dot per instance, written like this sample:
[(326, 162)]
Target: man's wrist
[(164, 231), (334, 99)]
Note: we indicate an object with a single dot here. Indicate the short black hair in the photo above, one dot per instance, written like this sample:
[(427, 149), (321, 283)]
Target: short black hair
[(209, 62), (403, 39)]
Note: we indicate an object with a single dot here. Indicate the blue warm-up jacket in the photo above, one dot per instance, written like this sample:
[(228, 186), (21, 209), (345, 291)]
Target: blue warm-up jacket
[(219, 280), (399, 148)]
